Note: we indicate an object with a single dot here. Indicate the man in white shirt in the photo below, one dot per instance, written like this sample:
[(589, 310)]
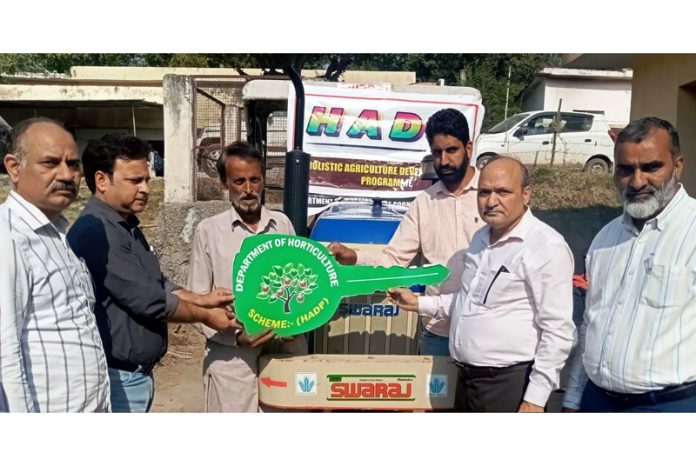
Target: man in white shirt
[(511, 322), (439, 223), (638, 338), (51, 355)]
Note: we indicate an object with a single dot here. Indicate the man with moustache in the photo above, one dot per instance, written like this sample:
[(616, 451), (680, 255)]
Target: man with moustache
[(439, 223), (134, 300), (230, 368), (51, 355), (638, 337), (511, 321)]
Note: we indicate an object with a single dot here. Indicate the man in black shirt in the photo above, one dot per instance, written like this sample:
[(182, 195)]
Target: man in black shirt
[(134, 299)]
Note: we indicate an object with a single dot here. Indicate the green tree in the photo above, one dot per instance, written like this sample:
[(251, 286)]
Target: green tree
[(486, 72), (61, 62), (428, 66), (489, 74)]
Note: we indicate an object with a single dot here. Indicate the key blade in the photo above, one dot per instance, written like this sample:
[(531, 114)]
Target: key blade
[(359, 280)]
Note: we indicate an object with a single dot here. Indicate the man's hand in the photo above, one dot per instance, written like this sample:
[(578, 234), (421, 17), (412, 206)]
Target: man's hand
[(219, 297), (343, 254), (222, 319), (248, 341), (405, 298), (527, 407)]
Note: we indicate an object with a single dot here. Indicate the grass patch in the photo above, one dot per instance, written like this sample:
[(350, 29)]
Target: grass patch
[(567, 188), (552, 188)]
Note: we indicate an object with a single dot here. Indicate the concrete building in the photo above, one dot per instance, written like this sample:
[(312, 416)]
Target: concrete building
[(664, 85), (93, 101), (604, 93)]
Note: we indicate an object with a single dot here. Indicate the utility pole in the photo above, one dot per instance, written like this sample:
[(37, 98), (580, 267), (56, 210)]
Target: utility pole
[(507, 92), (556, 126)]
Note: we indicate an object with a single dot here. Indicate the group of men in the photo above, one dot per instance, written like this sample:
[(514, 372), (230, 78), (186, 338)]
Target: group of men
[(84, 312), (505, 313)]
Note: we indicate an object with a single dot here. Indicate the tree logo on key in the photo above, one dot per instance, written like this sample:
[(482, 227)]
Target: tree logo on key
[(293, 285), (285, 283)]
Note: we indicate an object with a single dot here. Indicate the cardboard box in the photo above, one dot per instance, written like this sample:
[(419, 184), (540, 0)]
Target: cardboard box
[(368, 324), (357, 382)]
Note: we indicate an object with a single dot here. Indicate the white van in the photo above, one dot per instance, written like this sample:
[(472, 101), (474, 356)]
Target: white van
[(583, 139)]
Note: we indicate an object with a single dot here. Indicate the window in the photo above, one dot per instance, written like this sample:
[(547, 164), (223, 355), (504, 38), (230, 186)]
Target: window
[(506, 125), (542, 124), (575, 123)]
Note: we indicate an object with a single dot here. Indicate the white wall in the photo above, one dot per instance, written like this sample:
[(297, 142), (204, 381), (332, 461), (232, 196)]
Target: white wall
[(665, 87), (179, 168), (71, 92), (613, 97)]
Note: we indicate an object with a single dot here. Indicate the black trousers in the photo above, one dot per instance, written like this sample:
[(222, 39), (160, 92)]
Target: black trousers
[(491, 389)]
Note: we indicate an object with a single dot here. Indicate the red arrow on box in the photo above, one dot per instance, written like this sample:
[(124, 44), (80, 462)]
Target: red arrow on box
[(269, 382)]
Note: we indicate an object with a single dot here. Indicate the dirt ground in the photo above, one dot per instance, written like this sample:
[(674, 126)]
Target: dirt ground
[(178, 376)]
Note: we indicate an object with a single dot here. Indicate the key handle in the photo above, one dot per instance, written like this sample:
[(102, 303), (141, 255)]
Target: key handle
[(293, 284)]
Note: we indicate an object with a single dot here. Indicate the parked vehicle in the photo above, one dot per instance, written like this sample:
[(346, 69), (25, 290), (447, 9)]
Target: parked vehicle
[(582, 139), (208, 149)]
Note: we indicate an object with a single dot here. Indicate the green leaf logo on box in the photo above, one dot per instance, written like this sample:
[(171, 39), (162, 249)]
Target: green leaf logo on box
[(293, 284)]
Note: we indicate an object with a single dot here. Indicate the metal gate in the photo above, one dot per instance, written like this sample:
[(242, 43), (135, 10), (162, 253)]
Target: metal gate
[(220, 118)]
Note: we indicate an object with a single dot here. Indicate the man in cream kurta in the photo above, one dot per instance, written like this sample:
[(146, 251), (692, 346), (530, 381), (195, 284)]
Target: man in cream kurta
[(230, 368), (439, 224)]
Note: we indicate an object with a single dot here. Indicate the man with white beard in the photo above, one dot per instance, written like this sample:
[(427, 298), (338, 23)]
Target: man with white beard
[(638, 337)]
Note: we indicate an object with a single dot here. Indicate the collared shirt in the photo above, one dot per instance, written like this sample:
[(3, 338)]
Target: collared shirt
[(515, 304), (215, 243), (7, 273), (438, 225), (51, 356), (639, 327), (134, 298)]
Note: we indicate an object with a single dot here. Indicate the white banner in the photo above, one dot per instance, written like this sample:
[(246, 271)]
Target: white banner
[(369, 143)]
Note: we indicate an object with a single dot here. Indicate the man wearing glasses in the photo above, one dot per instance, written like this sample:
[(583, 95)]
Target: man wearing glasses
[(511, 321)]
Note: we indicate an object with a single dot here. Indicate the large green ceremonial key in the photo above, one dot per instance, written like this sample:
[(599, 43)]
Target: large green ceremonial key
[(293, 284)]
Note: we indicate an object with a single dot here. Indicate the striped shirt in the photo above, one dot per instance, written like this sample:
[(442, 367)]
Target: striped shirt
[(639, 328), (51, 356)]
